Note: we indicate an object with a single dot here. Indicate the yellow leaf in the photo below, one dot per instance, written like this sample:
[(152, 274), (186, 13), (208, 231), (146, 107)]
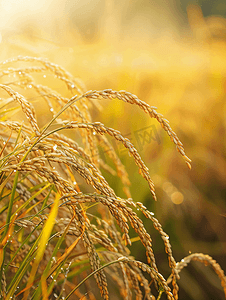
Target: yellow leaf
[(47, 229), (46, 232)]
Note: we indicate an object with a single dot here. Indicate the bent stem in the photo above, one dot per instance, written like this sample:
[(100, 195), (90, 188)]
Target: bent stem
[(121, 259), (160, 294)]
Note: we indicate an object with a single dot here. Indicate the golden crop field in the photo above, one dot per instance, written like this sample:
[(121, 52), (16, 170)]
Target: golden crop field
[(113, 151)]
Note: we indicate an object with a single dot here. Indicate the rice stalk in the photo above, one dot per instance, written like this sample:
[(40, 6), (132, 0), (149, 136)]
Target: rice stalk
[(63, 158)]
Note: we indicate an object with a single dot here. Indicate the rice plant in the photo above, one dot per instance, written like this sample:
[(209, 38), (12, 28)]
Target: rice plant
[(64, 231)]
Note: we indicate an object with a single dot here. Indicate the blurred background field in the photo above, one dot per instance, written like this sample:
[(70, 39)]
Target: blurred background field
[(171, 54)]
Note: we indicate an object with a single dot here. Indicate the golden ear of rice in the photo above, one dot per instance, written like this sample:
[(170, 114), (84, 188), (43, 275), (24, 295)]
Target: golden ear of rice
[(67, 212)]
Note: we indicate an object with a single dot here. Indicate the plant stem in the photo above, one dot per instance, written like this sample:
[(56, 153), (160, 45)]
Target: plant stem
[(121, 259)]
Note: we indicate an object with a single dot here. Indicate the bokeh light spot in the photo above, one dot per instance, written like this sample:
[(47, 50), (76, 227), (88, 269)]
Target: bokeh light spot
[(177, 197)]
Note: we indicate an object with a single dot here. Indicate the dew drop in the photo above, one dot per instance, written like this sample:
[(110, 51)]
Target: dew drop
[(44, 76), (72, 86), (51, 109)]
